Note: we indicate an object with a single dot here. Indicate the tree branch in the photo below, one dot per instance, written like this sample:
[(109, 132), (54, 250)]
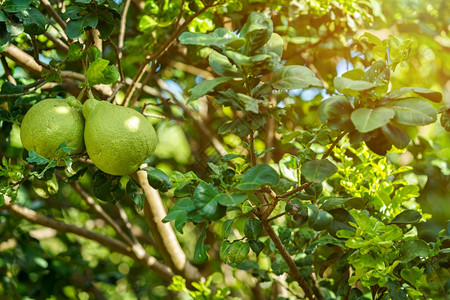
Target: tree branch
[(290, 262), (33, 217), (166, 240)]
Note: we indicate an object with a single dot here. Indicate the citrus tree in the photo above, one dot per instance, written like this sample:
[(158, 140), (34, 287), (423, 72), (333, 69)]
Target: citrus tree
[(302, 149)]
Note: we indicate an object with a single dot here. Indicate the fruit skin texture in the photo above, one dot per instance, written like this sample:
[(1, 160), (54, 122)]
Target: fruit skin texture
[(118, 139), (51, 122)]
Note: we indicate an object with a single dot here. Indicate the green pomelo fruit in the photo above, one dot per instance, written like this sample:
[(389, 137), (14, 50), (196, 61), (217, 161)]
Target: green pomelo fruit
[(50, 123), (118, 139)]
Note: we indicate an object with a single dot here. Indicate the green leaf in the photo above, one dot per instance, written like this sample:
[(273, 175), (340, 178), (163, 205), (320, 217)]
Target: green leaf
[(231, 199), (158, 179), (318, 219), (367, 119), (411, 275), (99, 72), (227, 227), (107, 187), (222, 65), (147, 23), (34, 21), (224, 250), (136, 194), (250, 104), (15, 5), (395, 136), (412, 249), (205, 87), (75, 28), (352, 87), (238, 252), (200, 254), (275, 44), (179, 213), (341, 221), (206, 202), (75, 51), (333, 107), (426, 93), (219, 38), (318, 170), (33, 157), (257, 31), (257, 176), (408, 216), (257, 246), (253, 229), (413, 112), (445, 119), (395, 290), (294, 77), (94, 73), (379, 50)]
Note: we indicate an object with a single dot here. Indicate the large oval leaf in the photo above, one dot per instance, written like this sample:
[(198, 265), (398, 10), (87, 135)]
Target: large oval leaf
[(294, 77), (414, 112), (352, 87), (426, 93), (395, 136), (318, 170), (257, 176), (368, 119), (333, 107)]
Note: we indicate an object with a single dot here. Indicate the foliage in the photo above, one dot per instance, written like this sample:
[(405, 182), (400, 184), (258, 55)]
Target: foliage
[(300, 154)]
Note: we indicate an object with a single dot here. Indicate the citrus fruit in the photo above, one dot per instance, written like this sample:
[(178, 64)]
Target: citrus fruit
[(118, 139), (51, 122)]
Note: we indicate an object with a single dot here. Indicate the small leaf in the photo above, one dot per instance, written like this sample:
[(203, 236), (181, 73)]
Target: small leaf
[(318, 170), (222, 65), (412, 249), (367, 119), (257, 176), (206, 201), (426, 93), (94, 73), (318, 219), (253, 229), (294, 77), (257, 246), (200, 254), (227, 227), (413, 112), (34, 21), (352, 87), (411, 275), (107, 187), (205, 87), (33, 157), (219, 37), (75, 51), (158, 179), (136, 194), (341, 221), (238, 252), (409, 216), (231, 199)]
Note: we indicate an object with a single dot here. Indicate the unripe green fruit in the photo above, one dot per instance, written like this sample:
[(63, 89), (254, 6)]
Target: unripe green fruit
[(118, 139), (50, 123)]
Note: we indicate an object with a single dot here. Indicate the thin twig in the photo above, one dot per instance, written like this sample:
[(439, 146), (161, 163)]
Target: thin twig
[(144, 66), (58, 42), (48, 6), (115, 91), (31, 91), (124, 217), (123, 23)]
